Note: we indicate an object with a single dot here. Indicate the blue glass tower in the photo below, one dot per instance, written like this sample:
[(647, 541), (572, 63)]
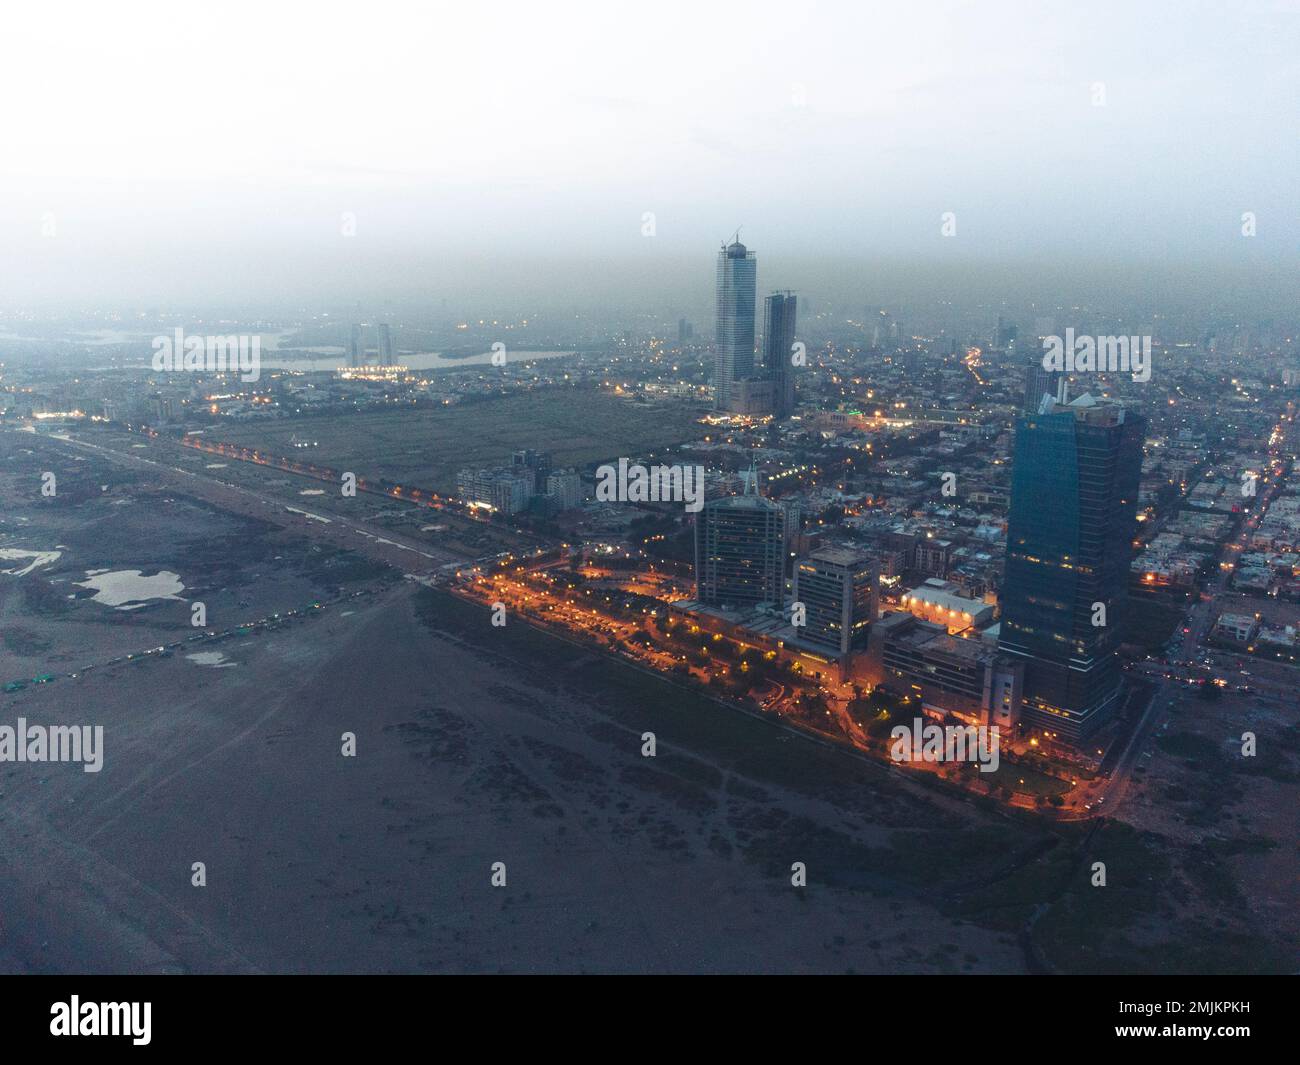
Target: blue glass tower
[(1074, 486), (778, 348), (735, 297)]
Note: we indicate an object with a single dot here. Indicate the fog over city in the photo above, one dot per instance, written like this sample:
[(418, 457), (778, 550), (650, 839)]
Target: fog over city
[(185, 156)]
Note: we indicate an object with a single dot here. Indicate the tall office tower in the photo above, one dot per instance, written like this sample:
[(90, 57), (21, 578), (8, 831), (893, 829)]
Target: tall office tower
[(385, 345), (355, 349), (837, 587), (1040, 382), (1005, 335), (685, 332), (565, 487), (793, 511), (735, 296), (778, 347), (740, 552), (536, 463), (1074, 487)]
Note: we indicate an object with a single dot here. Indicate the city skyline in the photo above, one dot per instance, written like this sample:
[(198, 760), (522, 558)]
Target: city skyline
[(666, 490)]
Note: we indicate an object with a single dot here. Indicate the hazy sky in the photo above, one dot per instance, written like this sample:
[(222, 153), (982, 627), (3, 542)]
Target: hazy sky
[(176, 150)]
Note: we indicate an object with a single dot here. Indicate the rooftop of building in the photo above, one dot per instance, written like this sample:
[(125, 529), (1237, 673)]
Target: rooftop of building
[(1090, 409), (945, 596), (933, 639), (1236, 620), (839, 556), (744, 502)]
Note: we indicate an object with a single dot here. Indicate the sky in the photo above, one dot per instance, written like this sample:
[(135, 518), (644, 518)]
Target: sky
[(234, 151)]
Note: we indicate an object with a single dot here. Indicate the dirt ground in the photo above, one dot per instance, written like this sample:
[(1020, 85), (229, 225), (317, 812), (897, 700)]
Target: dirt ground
[(383, 862)]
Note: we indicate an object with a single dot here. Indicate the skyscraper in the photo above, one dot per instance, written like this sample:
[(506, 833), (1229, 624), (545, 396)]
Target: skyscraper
[(355, 349), (535, 463), (837, 587), (735, 298), (385, 345), (1039, 382), (778, 346), (1074, 486), (1005, 335), (740, 552)]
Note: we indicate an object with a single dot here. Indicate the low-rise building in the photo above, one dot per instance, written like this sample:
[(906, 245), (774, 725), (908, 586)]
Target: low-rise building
[(1236, 628), (964, 678), (941, 602)]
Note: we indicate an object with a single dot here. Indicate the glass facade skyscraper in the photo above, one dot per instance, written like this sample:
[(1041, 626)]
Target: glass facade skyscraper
[(1074, 486), (778, 347), (385, 345), (1039, 382), (356, 350), (735, 298)]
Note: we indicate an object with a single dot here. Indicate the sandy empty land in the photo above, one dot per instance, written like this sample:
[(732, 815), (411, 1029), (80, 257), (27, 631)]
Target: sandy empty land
[(382, 862)]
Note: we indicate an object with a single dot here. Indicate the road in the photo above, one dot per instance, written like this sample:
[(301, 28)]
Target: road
[(374, 542)]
